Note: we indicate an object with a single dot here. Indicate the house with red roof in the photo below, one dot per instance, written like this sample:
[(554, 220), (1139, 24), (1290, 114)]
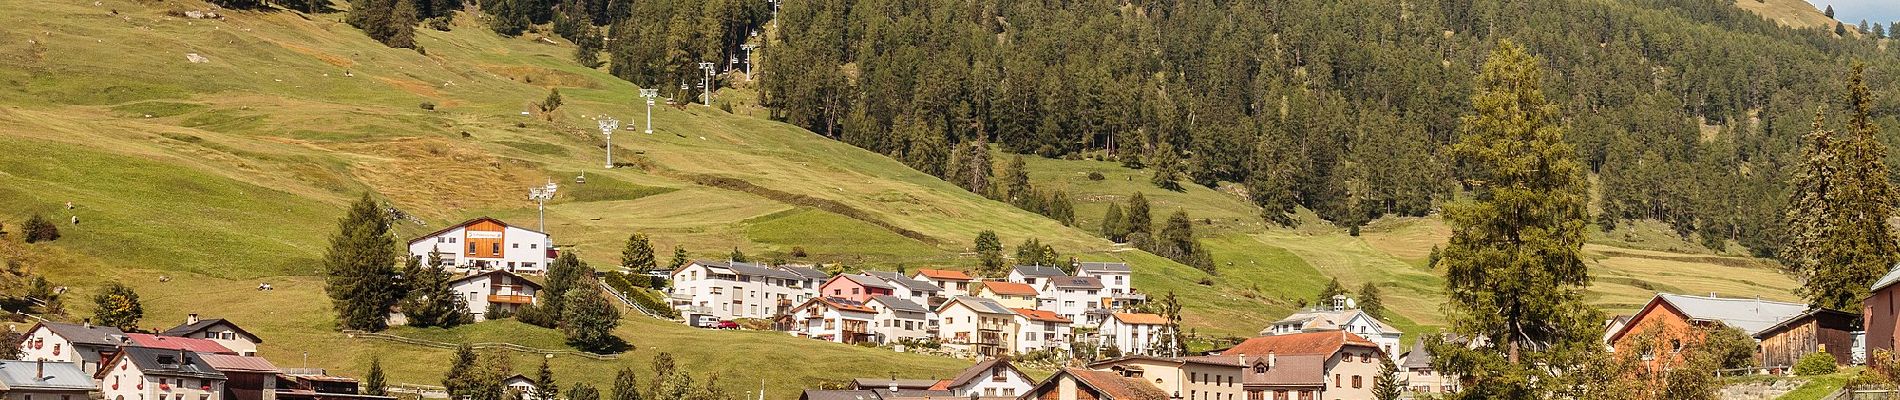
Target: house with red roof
[(194, 345), (855, 287), (1344, 364), (1010, 294), (834, 319), (1041, 330), (953, 283)]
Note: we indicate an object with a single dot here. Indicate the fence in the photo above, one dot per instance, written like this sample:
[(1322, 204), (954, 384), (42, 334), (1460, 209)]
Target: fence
[(479, 346), (633, 304), (423, 391), (1863, 394)]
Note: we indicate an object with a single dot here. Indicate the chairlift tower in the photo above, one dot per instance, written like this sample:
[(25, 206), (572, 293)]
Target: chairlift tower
[(607, 127), (541, 195), (650, 94), (705, 83), (748, 47)]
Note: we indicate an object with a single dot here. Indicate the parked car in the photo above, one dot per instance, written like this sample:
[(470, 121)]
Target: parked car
[(704, 321), (728, 324)]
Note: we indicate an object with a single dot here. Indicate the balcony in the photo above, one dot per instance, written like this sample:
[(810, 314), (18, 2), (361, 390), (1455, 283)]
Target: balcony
[(510, 299)]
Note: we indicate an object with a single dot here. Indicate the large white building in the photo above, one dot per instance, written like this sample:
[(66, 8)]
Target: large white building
[(1341, 315), (83, 345), (148, 373), (486, 244), (1071, 297), (898, 318), (1133, 333), (1040, 330), (728, 290), (498, 289)]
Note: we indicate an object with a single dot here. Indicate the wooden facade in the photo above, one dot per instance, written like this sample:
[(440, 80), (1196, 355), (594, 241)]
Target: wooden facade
[(1815, 330)]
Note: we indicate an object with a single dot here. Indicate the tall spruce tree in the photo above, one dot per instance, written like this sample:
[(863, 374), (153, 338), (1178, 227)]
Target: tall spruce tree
[(464, 379), (1369, 301), (627, 385), (360, 268), (989, 253), (1387, 386), (1514, 267), (1139, 220), (1016, 189), (1059, 208), (564, 274), (638, 254), (582, 391), (431, 301), (545, 388), (1840, 241), (679, 258), (1114, 225), (375, 384)]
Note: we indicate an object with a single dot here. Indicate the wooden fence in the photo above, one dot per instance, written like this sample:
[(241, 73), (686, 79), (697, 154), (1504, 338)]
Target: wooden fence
[(479, 346)]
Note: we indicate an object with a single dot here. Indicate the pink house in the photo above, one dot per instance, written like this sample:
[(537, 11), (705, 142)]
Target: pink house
[(858, 288)]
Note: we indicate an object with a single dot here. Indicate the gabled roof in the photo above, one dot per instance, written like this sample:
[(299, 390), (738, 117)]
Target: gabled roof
[(900, 279), (517, 278), (203, 324), (837, 303), (1112, 386), (1322, 343), (944, 275), (1841, 320), (1313, 320), (1282, 370), (1141, 319), (979, 304), (467, 223), (178, 343), (885, 384), (1419, 357), (1892, 277), (1040, 315), (85, 334), (152, 362), (807, 272), (1075, 282), (740, 268), (1006, 288), (1750, 315), (1103, 268), (57, 376), (899, 304), (235, 363), (1039, 271), (981, 369), (866, 281)]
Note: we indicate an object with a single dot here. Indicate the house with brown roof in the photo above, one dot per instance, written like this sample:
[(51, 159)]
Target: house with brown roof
[(1348, 365), (246, 377), (85, 345), (225, 332), (1340, 314), (486, 243), (995, 377), (1010, 294), (1671, 323), (1083, 383), (953, 283), (1223, 377), (834, 319), (496, 289), (1041, 330), (1134, 333), (1818, 329)]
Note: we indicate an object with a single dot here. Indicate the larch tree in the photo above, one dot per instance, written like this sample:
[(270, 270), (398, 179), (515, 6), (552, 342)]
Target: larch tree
[(1840, 241), (360, 268), (1514, 266)]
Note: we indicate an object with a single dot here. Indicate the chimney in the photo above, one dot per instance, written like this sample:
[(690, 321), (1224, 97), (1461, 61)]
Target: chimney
[(1271, 360), (41, 375), (191, 318), (88, 322)]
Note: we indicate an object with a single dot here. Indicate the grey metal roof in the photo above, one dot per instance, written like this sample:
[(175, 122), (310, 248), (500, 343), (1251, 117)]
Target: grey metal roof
[(899, 304), (885, 384), (1419, 357), (908, 283), (202, 324), (807, 272), (870, 281), (751, 269), (1039, 271), (88, 335), (1073, 282), (878, 394), (1107, 267), (1892, 277), (57, 376), (182, 363), (1749, 315), (982, 305)]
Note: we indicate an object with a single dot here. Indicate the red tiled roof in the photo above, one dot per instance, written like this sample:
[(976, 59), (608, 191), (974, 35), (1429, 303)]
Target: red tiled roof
[(945, 274), (1116, 387), (1009, 288), (1141, 319), (178, 343), (230, 363), (1299, 343), (1040, 315)]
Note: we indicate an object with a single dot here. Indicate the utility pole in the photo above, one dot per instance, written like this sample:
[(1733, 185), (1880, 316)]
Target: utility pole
[(607, 127), (649, 94), (541, 195), (705, 83)]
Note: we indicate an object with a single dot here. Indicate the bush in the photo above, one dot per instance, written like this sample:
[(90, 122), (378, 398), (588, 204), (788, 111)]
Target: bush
[(1096, 176), (1816, 363), (536, 315), (428, 106), (40, 229), (495, 312), (799, 252)]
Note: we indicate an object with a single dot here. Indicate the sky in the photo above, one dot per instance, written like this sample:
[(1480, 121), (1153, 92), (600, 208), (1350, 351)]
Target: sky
[(1852, 11)]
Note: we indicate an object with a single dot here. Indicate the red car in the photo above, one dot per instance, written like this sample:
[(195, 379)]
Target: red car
[(727, 324)]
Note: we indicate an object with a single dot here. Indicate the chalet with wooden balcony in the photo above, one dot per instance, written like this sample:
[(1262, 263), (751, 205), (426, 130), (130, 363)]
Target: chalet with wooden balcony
[(498, 288), (976, 325)]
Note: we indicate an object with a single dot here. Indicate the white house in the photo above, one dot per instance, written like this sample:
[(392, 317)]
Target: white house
[(1040, 330), (1034, 275), (218, 330), (484, 244), (992, 378), (914, 290), (834, 319), (1132, 333), (812, 276), (729, 290), (1340, 315), (84, 345), (520, 384), (953, 283), (499, 289), (900, 318), (1069, 296), (1117, 283), (976, 325), (147, 373)]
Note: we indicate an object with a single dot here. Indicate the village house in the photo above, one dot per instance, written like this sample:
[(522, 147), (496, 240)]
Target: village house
[(834, 319), (1340, 314), (1669, 322), (44, 380), (1880, 313), (296, 384), (1816, 330), (84, 345), (1034, 275), (976, 325), (486, 244), (808, 277), (858, 288), (1083, 383), (899, 318), (1071, 297), (990, 378), (519, 385), (1041, 330), (224, 332), (1349, 368), (914, 290), (496, 289), (1202, 377), (1009, 294), (953, 283), (1613, 325), (1117, 282), (1415, 367), (1132, 333), (136, 373), (245, 377), (729, 290), (194, 345)]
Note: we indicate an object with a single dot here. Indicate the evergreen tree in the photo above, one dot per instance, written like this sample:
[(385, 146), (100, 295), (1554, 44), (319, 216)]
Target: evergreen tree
[(589, 321), (1139, 222), (1829, 11), (638, 254), (1059, 208), (465, 376), (564, 274), (1333, 288), (976, 167), (374, 384), (552, 102), (1387, 385), (1369, 300), (39, 229), (582, 391), (1167, 168), (989, 252), (1114, 225), (432, 302), (1033, 252), (507, 17), (1514, 268), (626, 385), (587, 48), (737, 256), (1842, 198), (361, 277), (545, 388), (401, 26), (663, 369), (1840, 29), (1016, 189), (117, 306), (679, 258)]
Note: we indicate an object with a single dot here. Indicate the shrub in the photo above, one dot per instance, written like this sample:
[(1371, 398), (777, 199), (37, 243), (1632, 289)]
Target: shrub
[(536, 315), (40, 229), (1816, 363), (1096, 176), (799, 252), (428, 106), (495, 312)]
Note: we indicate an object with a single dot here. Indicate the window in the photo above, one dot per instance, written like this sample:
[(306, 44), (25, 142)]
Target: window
[(837, 292), (451, 240), (514, 245), (1279, 395), (1336, 381), (854, 290), (533, 245), (1306, 395), (1355, 382), (1365, 358), (494, 248), (439, 239), (1009, 391), (1193, 377), (471, 248), (1259, 368)]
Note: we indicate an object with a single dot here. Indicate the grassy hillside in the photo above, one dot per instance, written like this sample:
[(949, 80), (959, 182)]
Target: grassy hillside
[(1793, 13)]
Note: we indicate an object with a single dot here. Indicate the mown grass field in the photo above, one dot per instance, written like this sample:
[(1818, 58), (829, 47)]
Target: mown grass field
[(213, 177)]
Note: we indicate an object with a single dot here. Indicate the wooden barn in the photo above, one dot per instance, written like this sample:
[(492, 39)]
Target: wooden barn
[(1818, 329)]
